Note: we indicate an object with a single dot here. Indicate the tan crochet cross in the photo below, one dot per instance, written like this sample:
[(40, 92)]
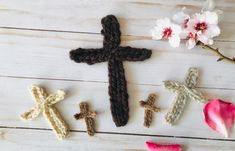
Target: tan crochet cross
[(149, 109), (88, 116), (184, 93), (45, 104)]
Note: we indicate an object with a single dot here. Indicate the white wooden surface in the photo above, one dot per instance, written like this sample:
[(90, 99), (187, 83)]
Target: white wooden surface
[(35, 39)]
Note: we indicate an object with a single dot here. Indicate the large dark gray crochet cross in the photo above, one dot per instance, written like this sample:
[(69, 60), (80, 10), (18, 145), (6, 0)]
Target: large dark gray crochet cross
[(115, 55)]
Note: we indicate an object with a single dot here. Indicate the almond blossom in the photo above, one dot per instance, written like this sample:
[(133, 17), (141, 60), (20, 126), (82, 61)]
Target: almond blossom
[(220, 116), (197, 29), (181, 18), (202, 27), (165, 29), (158, 147)]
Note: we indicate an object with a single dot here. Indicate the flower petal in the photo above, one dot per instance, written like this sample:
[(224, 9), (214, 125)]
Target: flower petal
[(162, 23), (212, 31), (191, 43), (180, 17), (211, 17), (183, 34), (176, 29), (174, 41), (220, 14), (165, 29), (191, 26), (158, 147), (220, 116), (156, 33), (204, 39), (199, 17)]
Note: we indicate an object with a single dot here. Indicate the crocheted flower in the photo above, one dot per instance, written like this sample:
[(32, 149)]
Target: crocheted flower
[(157, 147), (220, 116), (202, 27), (165, 29)]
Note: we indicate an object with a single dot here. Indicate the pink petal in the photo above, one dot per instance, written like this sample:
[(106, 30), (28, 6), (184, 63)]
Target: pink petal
[(220, 116), (157, 147)]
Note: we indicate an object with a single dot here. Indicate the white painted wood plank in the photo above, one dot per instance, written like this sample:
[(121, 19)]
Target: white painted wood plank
[(37, 140), (16, 99), (46, 55), (136, 16)]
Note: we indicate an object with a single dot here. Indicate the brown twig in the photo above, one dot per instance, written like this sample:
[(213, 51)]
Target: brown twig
[(217, 52)]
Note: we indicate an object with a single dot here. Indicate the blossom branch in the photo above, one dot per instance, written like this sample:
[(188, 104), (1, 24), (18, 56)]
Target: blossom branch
[(217, 52), (198, 29)]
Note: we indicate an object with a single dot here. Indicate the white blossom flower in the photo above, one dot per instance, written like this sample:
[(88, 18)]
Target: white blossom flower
[(181, 18), (165, 29), (202, 27), (209, 5)]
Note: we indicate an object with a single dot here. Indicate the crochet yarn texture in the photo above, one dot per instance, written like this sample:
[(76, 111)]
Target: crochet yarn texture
[(185, 92), (88, 116), (115, 55), (45, 104), (149, 109)]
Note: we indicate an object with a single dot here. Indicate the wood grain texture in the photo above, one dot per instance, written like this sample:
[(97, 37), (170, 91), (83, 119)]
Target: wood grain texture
[(35, 40), (84, 16), (47, 56), (11, 139), (190, 125)]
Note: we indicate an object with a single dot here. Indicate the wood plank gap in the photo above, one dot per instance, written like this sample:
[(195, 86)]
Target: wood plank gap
[(50, 30), (73, 80), (90, 33), (127, 134), (51, 79)]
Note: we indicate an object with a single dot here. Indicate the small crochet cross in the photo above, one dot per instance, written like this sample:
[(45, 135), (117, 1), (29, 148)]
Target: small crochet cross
[(149, 109), (184, 92), (114, 54), (45, 104), (88, 116)]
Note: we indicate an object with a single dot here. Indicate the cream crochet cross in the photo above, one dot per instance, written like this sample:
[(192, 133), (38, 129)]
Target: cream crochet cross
[(45, 103), (185, 92)]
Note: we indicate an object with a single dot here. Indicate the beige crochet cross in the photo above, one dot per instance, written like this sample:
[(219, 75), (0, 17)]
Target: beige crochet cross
[(149, 109), (88, 116), (45, 104), (185, 92)]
